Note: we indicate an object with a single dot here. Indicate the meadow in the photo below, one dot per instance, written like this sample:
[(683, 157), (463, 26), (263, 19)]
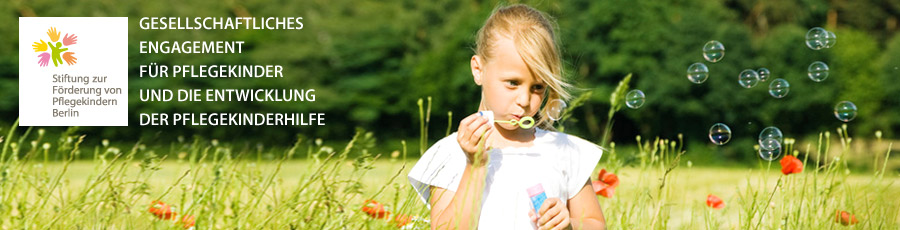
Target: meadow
[(316, 186)]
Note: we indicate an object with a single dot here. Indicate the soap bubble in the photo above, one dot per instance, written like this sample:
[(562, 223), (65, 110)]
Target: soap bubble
[(845, 111), (713, 51), (719, 134), (771, 153), (772, 133), (748, 78), (555, 109), (763, 74), (697, 73), (830, 39), (779, 88), (815, 38), (634, 99), (818, 71)]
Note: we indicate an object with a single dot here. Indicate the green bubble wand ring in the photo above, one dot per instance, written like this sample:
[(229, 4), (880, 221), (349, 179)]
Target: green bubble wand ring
[(524, 122)]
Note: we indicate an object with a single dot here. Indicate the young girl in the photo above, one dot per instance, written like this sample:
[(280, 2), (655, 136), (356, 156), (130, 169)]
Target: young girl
[(490, 174)]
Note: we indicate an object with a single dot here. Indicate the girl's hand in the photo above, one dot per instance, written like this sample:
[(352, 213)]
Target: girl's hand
[(473, 131), (554, 215)]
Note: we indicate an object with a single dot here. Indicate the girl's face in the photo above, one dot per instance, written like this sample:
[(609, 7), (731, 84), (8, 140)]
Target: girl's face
[(509, 89)]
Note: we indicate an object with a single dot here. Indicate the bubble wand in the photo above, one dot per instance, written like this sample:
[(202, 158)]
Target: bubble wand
[(554, 112)]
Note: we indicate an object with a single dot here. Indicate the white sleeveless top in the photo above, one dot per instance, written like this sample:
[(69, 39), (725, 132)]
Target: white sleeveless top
[(561, 163)]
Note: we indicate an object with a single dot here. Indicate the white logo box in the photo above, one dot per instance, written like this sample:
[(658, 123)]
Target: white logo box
[(101, 49)]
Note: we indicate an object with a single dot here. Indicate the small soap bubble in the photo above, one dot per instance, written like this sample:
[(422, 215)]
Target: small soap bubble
[(771, 153), (748, 78), (763, 74), (845, 111), (634, 99), (719, 134), (555, 109), (772, 133), (830, 39), (713, 51), (697, 73), (779, 88), (818, 71), (815, 38)]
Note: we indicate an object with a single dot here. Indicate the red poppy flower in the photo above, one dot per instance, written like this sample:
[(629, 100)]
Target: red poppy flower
[(162, 210), (791, 165), (374, 209), (714, 202), (845, 218), (402, 219), (606, 183), (188, 221)]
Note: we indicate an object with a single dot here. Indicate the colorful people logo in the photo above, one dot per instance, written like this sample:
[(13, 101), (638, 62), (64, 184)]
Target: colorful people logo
[(56, 48)]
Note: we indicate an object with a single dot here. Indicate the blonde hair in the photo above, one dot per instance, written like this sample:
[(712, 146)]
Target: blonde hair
[(533, 35)]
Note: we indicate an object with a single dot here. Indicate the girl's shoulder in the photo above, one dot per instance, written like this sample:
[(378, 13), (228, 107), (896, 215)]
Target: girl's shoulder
[(565, 140), (446, 143), (441, 166), (444, 149)]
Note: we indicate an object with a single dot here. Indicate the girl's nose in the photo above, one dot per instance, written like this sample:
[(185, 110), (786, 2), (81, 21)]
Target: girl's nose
[(523, 98)]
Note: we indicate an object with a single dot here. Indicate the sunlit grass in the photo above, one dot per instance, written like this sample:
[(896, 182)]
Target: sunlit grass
[(313, 185)]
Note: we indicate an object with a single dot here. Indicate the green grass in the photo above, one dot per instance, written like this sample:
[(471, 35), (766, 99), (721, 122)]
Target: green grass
[(237, 200), (685, 203), (313, 185), (222, 187), (662, 191), (688, 188)]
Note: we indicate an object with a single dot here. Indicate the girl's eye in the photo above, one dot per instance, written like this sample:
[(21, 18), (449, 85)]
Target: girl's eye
[(538, 88), (512, 83)]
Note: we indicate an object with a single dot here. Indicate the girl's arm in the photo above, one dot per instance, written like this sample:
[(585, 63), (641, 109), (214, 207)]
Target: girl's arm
[(461, 209), (584, 209)]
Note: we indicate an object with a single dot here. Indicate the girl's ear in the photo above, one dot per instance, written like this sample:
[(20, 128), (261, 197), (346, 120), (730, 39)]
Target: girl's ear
[(477, 69)]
